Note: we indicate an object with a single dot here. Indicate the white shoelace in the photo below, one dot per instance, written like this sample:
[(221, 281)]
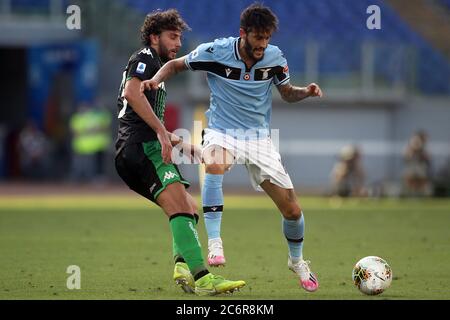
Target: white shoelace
[(301, 268), (216, 248)]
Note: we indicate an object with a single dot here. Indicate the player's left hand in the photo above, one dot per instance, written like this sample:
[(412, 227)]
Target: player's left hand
[(148, 85), (166, 146), (314, 90)]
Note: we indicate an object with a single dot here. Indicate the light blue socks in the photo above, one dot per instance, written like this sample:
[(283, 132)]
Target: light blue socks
[(212, 198), (293, 231)]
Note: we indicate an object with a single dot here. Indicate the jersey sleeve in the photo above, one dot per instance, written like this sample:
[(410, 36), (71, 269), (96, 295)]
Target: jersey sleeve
[(200, 58), (142, 66), (282, 71)]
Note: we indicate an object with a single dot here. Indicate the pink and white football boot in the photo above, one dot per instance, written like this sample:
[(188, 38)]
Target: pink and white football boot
[(308, 280), (216, 257)]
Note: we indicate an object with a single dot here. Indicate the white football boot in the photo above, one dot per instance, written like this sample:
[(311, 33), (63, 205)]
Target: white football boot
[(308, 280), (216, 257)]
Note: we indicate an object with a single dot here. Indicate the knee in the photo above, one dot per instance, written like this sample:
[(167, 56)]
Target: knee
[(292, 212), (179, 206), (215, 168), (174, 199)]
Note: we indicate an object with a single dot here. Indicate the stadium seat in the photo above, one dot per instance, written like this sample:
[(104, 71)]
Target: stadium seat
[(336, 25)]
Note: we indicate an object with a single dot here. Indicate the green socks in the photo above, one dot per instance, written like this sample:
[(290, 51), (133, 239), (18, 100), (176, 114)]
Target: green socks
[(186, 245), (176, 251)]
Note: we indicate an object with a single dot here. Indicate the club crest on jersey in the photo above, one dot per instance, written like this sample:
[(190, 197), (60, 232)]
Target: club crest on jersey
[(247, 76), (141, 67), (265, 72)]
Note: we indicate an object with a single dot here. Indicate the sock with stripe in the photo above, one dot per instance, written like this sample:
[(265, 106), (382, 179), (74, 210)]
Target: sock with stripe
[(293, 231), (212, 198)]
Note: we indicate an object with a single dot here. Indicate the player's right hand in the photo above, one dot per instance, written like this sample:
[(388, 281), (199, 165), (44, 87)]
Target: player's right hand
[(314, 90), (166, 146), (148, 85)]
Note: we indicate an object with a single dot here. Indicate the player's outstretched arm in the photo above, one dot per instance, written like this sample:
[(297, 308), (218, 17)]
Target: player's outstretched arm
[(291, 93), (168, 70)]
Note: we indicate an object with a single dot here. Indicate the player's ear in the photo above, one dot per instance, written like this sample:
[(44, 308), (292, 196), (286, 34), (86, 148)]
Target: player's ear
[(154, 39), (242, 33)]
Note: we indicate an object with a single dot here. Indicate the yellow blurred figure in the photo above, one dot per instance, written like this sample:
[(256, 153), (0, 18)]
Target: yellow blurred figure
[(91, 138)]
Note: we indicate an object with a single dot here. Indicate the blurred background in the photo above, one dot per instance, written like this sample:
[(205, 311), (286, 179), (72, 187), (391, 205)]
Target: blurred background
[(382, 128)]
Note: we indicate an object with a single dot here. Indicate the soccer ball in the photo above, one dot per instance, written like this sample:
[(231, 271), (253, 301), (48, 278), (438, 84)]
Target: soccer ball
[(372, 275)]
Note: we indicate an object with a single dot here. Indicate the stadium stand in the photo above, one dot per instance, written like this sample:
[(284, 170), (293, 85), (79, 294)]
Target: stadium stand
[(32, 7), (445, 3), (336, 25), (345, 57)]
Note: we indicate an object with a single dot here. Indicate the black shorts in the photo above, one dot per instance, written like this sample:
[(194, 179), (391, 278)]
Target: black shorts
[(141, 166)]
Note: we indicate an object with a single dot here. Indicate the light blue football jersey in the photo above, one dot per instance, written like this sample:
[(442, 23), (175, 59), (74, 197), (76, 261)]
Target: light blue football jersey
[(241, 98)]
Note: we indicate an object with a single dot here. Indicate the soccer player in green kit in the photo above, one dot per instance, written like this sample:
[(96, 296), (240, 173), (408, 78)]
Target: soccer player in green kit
[(144, 146)]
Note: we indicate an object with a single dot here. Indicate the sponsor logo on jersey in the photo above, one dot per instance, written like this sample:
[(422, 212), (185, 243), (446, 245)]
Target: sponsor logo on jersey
[(146, 51), (141, 67)]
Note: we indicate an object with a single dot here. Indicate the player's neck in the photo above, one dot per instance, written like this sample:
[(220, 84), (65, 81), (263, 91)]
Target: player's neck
[(249, 61), (156, 48), (158, 53)]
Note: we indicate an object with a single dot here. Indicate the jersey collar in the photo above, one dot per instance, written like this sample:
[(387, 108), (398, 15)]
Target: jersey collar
[(236, 48), (237, 56)]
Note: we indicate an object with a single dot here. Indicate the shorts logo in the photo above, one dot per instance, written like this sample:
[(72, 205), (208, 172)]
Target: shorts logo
[(141, 67), (169, 175), (152, 187), (246, 77)]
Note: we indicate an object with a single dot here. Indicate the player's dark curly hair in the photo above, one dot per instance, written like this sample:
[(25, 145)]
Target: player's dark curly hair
[(159, 21), (258, 18)]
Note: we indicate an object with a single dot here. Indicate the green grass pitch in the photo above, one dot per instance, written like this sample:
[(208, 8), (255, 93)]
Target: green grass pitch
[(122, 245)]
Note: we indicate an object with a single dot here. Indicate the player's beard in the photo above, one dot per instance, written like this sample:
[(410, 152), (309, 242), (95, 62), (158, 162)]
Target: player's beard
[(249, 51), (164, 53)]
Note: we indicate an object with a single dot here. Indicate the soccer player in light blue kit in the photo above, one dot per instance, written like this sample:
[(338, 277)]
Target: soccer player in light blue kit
[(240, 73)]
